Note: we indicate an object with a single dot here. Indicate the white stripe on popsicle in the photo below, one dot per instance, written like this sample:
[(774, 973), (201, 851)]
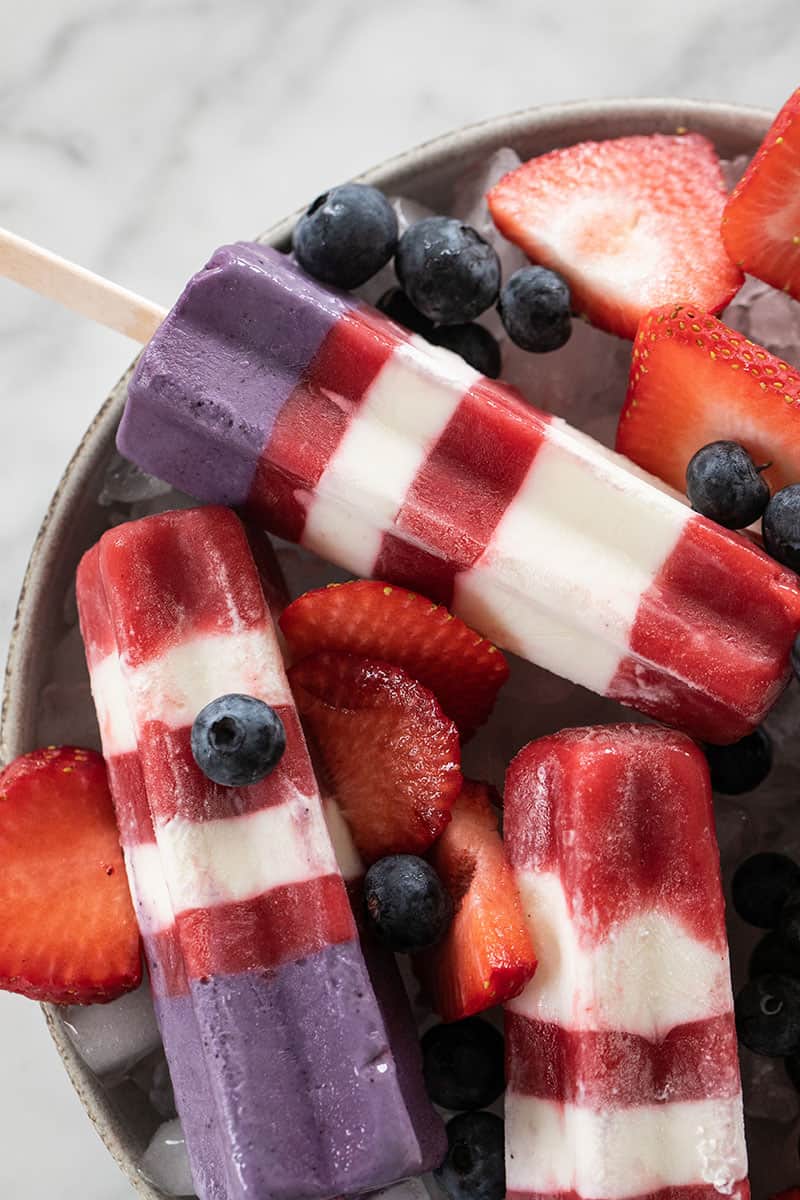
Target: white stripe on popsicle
[(623, 1152), (174, 686), (581, 537), (404, 412), (670, 978)]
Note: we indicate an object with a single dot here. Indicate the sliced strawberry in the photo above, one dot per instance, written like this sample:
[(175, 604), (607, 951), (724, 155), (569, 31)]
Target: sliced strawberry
[(487, 956), (391, 755), (761, 222), (67, 928), (462, 669), (629, 223), (694, 381)]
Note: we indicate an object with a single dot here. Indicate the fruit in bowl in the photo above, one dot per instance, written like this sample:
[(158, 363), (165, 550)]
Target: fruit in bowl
[(393, 458)]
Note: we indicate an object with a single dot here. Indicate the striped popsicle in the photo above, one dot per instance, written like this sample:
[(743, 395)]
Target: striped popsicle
[(623, 1077), (284, 1077), (336, 428)]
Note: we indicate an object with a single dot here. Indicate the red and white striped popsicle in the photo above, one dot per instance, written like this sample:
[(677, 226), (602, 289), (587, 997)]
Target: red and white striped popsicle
[(623, 1077), (334, 427), (261, 989)]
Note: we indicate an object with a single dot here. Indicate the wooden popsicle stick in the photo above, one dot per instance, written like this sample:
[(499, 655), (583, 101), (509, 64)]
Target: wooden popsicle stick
[(78, 289)]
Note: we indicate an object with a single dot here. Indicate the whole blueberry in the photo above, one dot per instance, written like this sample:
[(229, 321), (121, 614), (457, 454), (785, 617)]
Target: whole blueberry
[(772, 956), (724, 484), (396, 304), (761, 886), (346, 236), (447, 270), (768, 1015), (237, 740), (535, 309), (407, 905), (474, 343), (781, 526), (463, 1064), (742, 766), (474, 1167)]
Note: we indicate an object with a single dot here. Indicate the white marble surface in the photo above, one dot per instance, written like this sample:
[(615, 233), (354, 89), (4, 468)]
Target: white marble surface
[(135, 135)]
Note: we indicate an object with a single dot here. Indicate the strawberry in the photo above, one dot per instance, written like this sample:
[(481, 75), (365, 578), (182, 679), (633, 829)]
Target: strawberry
[(462, 669), (792, 1193), (761, 221), (391, 755), (694, 381), (629, 223), (68, 932), (486, 957)]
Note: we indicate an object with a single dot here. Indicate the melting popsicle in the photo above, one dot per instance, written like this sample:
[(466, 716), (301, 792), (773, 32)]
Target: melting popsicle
[(621, 1059), (284, 1076), (334, 427)]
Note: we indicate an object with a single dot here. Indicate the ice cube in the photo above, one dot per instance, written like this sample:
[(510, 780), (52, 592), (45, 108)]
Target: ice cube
[(112, 1038), (769, 1094), (152, 1077), (469, 205), (767, 316), (65, 716), (125, 483), (733, 169), (407, 1189), (165, 1162), (585, 381), (734, 831)]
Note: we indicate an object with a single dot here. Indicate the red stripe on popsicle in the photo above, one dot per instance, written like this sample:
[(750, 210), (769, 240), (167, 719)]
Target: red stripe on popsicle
[(612, 1068), (658, 855), (177, 786), (695, 1191), (462, 491), (171, 594), (718, 620), (279, 926), (314, 419)]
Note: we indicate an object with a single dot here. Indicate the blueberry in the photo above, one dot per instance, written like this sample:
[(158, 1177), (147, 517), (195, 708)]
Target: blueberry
[(237, 740), (789, 923), (724, 484), (742, 766), (474, 1167), (535, 309), (447, 270), (761, 886), (772, 956), (407, 905), (781, 526), (396, 304), (346, 236), (474, 343), (463, 1064), (768, 1015)]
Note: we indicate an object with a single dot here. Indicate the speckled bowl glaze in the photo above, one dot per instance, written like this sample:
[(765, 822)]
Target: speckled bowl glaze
[(70, 526)]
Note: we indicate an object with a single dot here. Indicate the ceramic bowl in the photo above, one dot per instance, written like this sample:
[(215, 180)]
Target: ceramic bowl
[(74, 521)]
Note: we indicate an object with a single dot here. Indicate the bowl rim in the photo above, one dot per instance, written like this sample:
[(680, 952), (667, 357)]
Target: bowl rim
[(564, 119)]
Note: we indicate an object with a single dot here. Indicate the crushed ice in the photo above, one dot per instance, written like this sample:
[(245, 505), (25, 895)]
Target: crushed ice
[(165, 1162)]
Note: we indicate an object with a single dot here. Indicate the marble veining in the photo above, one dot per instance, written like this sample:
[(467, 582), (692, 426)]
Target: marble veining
[(135, 137)]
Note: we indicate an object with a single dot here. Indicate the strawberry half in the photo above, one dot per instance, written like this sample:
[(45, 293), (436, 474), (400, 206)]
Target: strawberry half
[(694, 381), (761, 222), (392, 757), (462, 669), (630, 223), (68, 933), (486, 956)]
